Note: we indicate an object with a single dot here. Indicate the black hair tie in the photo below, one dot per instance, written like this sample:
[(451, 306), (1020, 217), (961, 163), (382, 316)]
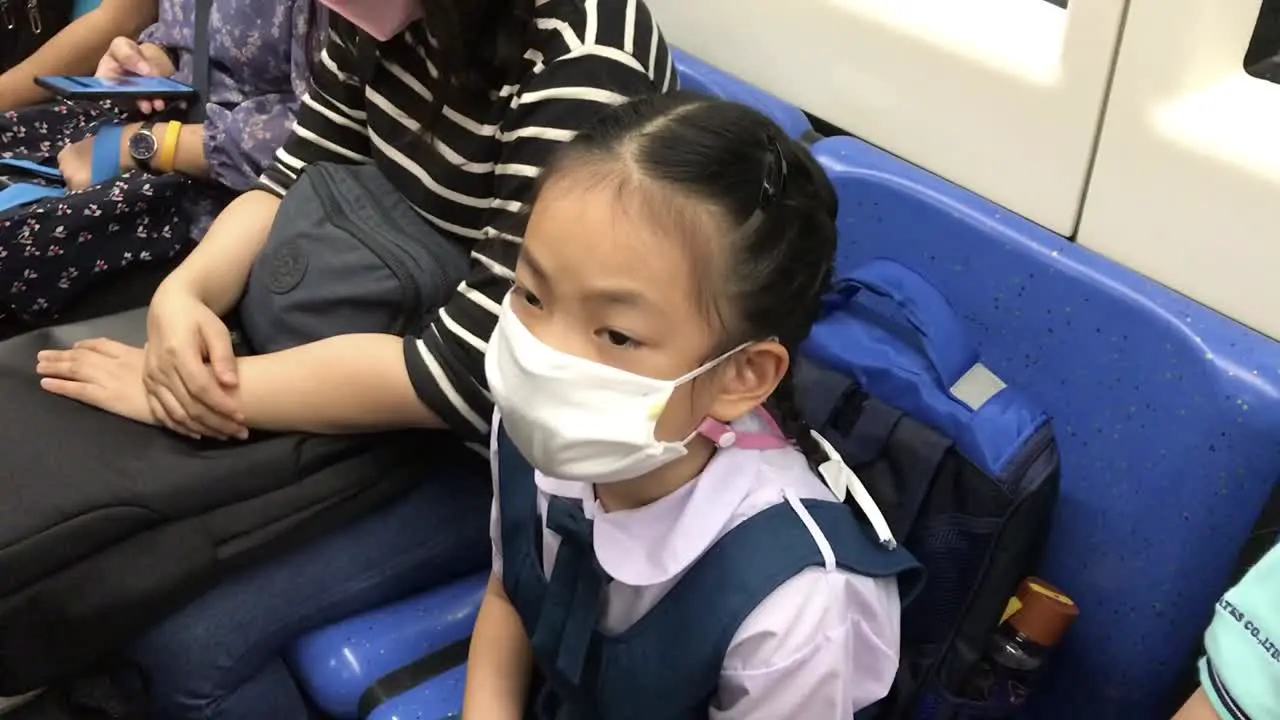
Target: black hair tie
[(775, 172)]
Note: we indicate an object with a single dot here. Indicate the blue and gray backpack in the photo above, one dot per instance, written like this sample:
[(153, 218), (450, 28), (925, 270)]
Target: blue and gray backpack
[(964, 467)]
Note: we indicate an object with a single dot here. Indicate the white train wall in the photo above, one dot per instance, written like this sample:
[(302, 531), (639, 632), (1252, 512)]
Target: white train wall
[(1129, 125)]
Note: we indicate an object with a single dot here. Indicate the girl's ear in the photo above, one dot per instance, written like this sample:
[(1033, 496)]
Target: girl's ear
[(748, 378)]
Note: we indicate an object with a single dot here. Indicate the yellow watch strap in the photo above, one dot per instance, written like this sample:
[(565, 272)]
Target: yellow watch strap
[(168, 148)]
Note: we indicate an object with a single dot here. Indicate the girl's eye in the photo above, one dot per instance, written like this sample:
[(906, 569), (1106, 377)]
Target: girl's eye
[(618, 339), (529, 298)]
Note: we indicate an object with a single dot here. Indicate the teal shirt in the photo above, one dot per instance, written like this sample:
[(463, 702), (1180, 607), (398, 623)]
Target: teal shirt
[(83, 6), (1241, 668)]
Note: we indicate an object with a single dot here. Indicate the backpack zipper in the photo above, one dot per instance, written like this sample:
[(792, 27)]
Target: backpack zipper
[(386, 248)]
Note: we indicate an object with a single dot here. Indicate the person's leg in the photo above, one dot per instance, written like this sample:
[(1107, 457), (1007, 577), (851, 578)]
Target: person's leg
[(40, 131), (220, 656)]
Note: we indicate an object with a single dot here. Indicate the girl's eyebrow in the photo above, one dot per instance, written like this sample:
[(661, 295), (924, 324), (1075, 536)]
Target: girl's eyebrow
[(531, 262), (606, 296), (625, 298)]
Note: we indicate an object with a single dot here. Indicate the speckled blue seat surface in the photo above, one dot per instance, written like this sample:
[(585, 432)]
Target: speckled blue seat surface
[(336, 664), (697, 76)]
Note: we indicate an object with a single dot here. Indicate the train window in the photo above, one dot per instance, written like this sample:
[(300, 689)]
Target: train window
[(1003, 97), (1187, 171), (1262, 59)]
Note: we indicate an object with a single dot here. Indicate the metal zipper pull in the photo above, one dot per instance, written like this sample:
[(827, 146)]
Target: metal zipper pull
[(6, 14), (33, 14)]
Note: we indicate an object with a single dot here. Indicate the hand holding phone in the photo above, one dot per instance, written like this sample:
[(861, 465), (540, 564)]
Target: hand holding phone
[(126, 58)]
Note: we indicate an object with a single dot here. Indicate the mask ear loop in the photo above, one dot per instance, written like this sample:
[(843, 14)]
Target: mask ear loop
[(844, 482), (722, 434)]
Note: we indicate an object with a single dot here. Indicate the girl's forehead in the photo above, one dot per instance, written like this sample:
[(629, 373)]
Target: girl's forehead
[(604, 240)]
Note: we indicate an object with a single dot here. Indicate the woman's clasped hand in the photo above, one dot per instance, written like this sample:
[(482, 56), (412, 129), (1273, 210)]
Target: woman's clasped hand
[(190, 367)]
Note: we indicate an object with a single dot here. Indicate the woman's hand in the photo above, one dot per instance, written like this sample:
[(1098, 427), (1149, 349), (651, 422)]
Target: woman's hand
[(102, 373), (125, 57), (75, 162), (183, 334)]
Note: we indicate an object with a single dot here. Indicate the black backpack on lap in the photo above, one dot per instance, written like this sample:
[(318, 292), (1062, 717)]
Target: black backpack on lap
[(109, 525)]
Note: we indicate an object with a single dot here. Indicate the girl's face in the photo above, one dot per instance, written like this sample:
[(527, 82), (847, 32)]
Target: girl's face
[(599, 280)]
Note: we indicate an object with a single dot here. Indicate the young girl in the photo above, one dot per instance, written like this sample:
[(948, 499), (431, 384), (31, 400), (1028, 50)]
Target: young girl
[(661, 548)]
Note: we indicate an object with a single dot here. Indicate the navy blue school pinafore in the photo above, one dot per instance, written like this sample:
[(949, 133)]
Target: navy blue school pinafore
[(667, 665)]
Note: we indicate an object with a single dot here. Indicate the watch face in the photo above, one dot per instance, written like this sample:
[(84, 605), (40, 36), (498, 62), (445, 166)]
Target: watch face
[(142, 145)]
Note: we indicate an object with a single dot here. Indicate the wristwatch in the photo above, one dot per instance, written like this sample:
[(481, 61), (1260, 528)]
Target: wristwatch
[(143, 146)]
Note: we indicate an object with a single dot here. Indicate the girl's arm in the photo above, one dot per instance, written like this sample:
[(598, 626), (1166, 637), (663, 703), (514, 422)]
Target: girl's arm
[(500, 662), (217, 269), (75, 50), (343, 384)]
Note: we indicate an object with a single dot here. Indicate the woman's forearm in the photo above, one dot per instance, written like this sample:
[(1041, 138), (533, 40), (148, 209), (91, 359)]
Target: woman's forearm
[(344, 384), (75, 50), (218, 268), (499, 663), (189, 158)]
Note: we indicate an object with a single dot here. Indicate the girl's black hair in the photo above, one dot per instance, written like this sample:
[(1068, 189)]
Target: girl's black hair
[(740, 164)]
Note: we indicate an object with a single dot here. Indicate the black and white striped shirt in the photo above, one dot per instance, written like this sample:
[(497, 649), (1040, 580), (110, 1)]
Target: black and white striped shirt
[(587, 55)]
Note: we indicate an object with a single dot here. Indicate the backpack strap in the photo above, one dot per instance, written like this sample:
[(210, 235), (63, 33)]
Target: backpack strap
[(863, 431), (32, 168), (200, 60), (19, 194), (517, 496)]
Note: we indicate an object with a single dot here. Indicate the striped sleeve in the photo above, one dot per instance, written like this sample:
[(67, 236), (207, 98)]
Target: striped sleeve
[(331, 124), (446, 364)]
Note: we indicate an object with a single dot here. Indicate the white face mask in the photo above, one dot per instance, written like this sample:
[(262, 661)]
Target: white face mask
[(575, 419)]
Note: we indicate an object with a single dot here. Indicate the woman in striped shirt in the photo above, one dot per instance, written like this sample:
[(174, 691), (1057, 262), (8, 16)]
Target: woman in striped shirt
[(465, 101)]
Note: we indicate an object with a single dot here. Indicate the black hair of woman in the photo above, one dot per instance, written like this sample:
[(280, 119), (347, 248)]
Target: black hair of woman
[(741, 164), (479, 46)]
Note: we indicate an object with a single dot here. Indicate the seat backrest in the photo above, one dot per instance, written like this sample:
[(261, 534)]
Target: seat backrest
[(1166, 416), (697, 76)]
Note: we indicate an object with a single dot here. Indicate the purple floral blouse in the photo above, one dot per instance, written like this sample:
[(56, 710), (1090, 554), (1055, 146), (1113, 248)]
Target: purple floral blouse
[(259, 55)]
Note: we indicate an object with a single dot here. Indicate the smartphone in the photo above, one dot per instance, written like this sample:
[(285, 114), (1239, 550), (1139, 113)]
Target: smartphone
[(73, 87)]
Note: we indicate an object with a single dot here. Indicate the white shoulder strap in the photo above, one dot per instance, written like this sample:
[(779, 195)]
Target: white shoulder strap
[(844, 482)]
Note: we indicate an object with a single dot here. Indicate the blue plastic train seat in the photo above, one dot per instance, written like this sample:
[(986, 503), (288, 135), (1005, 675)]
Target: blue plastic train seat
[(439, 699), (336, 664), (1167, 416), (697, 76)]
